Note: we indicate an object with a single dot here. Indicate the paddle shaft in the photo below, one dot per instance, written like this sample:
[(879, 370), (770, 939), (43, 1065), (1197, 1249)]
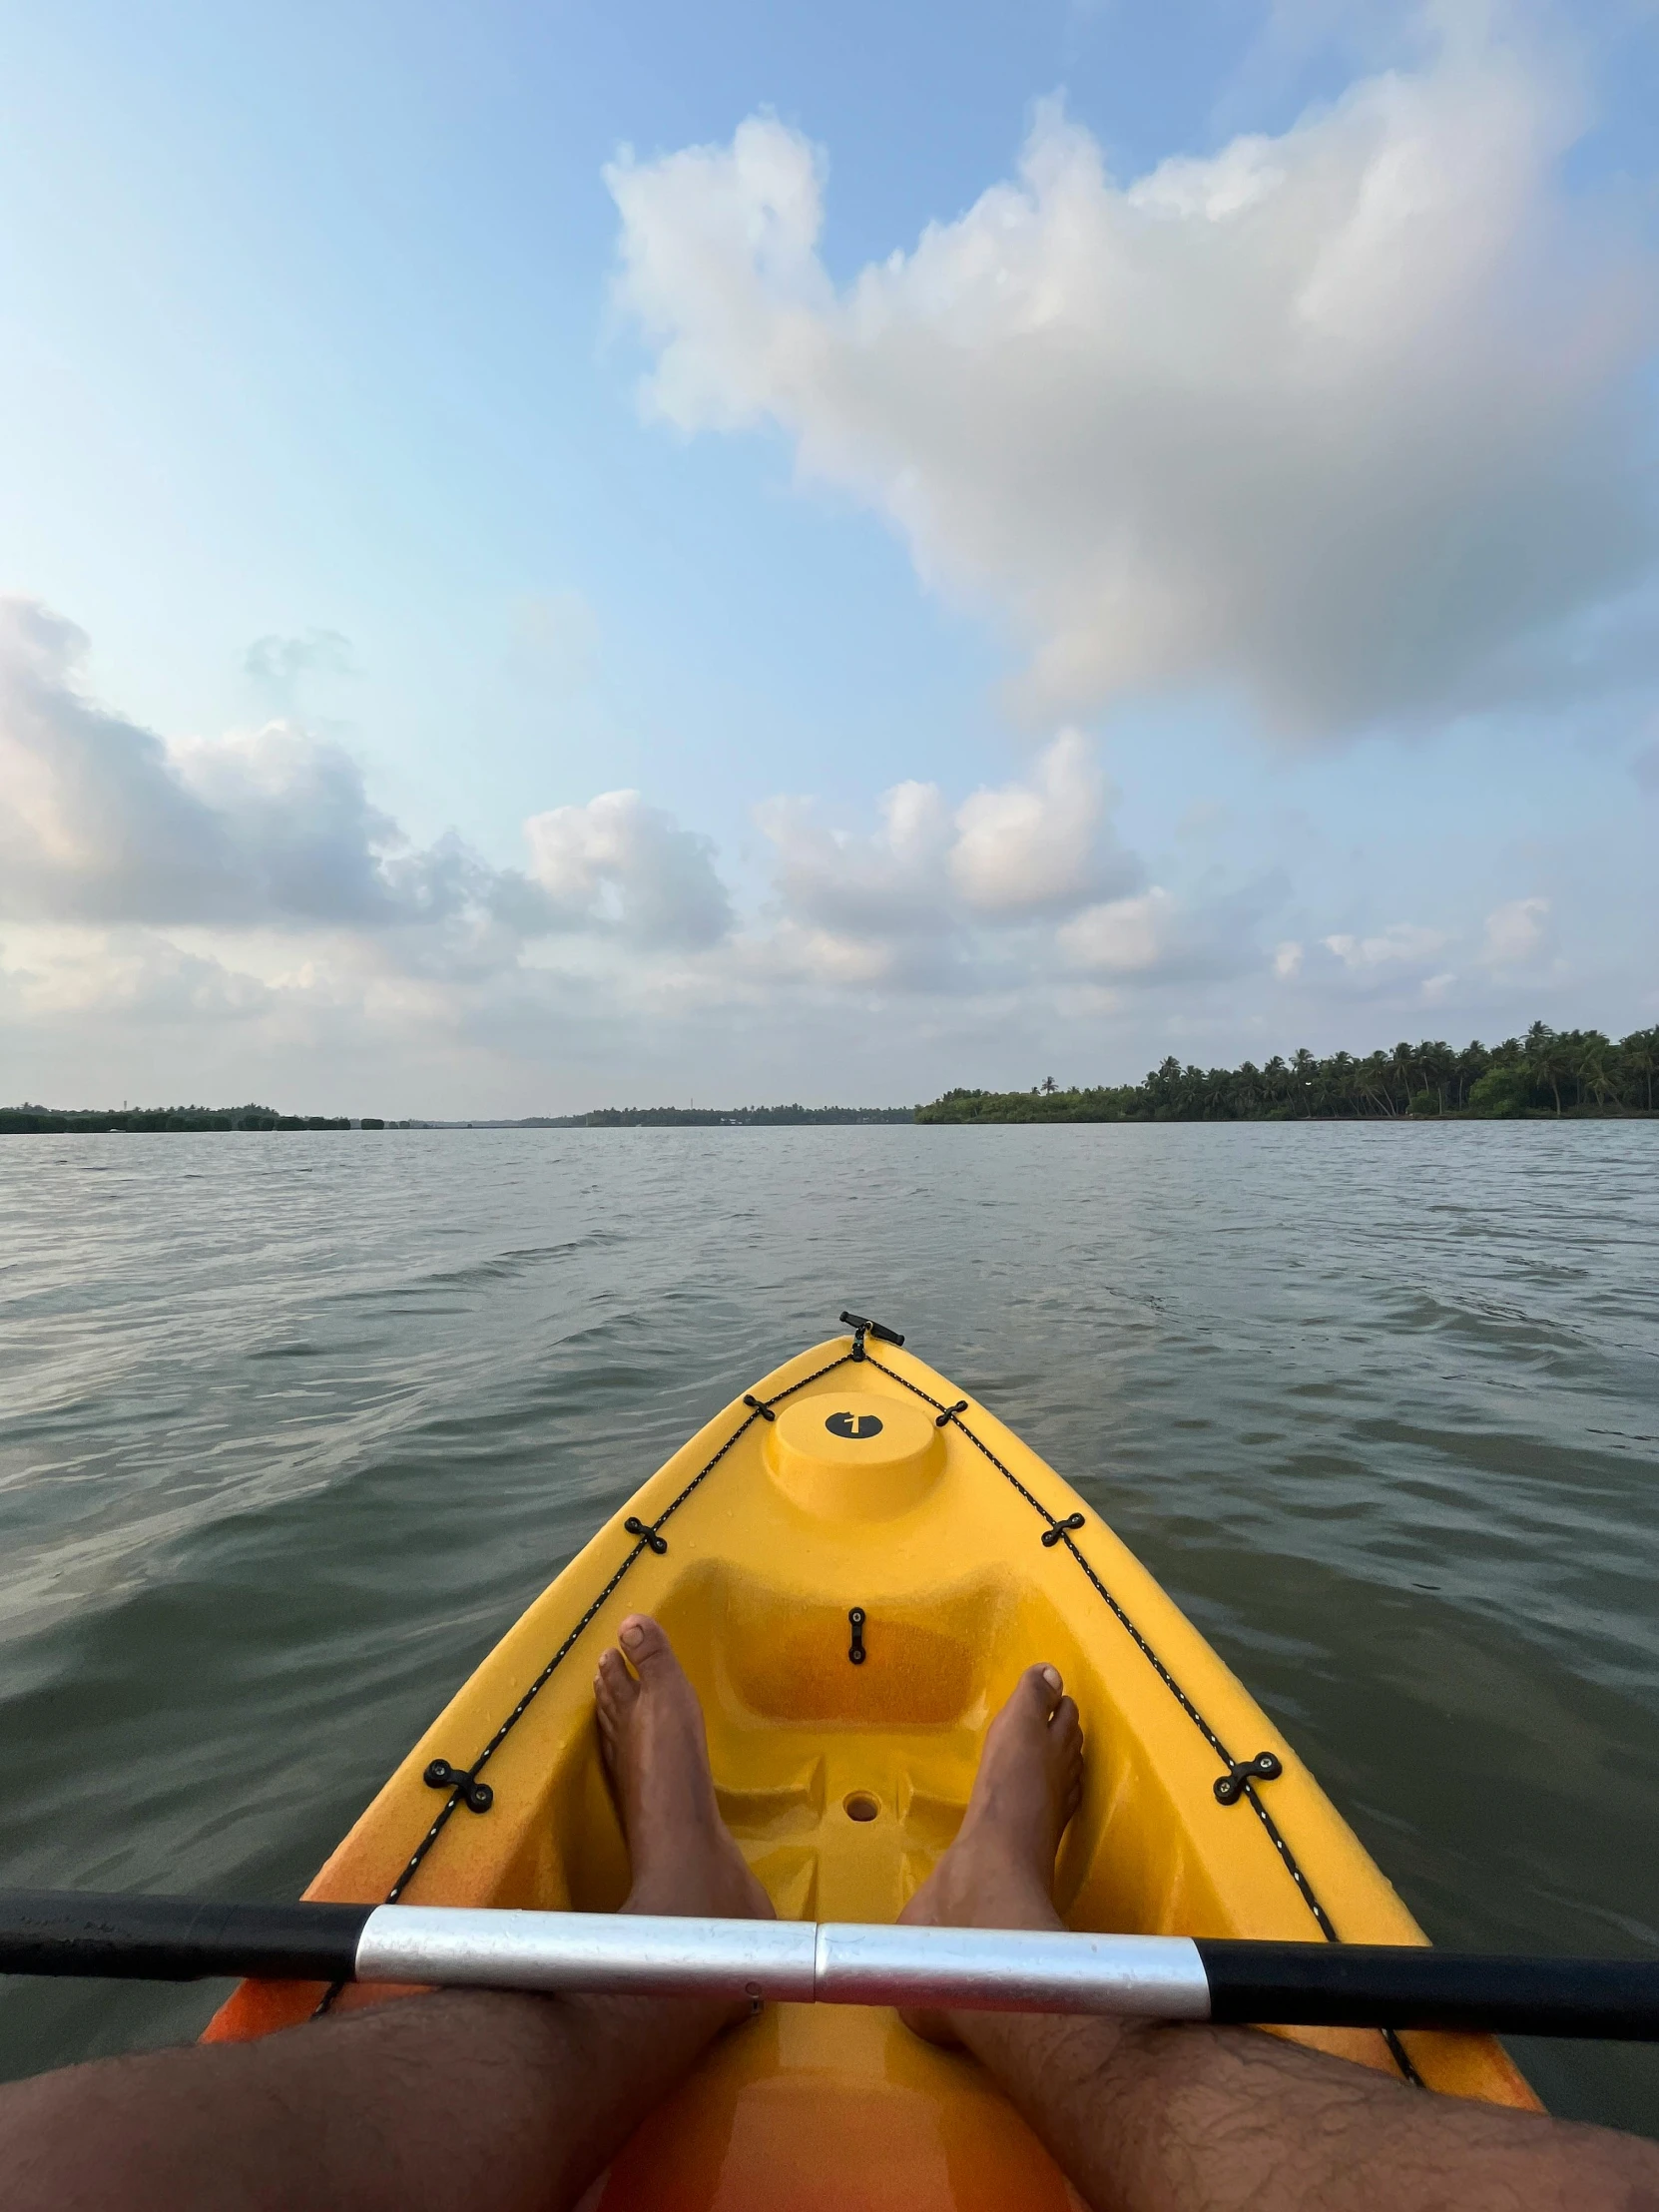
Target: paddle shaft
[(1146, 1976)]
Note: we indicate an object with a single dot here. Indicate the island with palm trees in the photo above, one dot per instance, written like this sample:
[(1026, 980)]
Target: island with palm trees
[(1548, 1072)]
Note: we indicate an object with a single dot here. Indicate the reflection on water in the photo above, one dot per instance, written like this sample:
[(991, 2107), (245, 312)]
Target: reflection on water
[(291, 1427)]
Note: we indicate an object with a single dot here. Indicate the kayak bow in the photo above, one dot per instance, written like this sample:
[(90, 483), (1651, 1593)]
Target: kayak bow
[(856, 1560)]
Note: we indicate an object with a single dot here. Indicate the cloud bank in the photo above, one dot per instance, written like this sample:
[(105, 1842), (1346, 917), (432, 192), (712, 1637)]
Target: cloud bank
[(1341, 421), (213, 875), (239, 903), (616, 863), (101, 822), (932, 895)]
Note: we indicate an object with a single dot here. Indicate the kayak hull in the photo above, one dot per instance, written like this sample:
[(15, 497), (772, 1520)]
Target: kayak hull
[(844, 1751)]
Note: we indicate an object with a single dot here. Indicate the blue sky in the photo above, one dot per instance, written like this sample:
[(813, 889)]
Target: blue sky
[(1231, 533)]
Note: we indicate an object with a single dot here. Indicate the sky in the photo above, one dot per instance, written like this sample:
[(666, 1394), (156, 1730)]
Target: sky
[(565, 555)]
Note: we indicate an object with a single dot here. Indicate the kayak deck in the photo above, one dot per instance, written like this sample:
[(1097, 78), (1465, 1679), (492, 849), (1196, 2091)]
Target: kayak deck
[(830, 1490)]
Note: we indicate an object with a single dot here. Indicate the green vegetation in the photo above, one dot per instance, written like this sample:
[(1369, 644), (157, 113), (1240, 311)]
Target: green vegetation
[(1548, 1071), (27, 1120)]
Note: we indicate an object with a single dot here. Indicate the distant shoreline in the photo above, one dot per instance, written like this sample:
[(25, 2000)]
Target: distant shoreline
[(1549, 1074), (14, 1124), (49, 1121), (1553, 1074)]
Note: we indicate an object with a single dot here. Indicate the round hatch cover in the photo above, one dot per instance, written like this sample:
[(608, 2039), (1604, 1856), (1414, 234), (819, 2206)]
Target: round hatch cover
[(854, 1424), (849, 1455)]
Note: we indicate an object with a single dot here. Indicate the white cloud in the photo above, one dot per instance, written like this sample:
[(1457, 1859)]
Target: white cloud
[(279, 662), (1403, 943), (1157, 937), (104, 824), (1286, 959), (1033, 848), (829, 956), (923, 896), (1515, 933), (101, 822), (617, 863), (1123, 936), (1337, 417), (890, 884), (130, 975)]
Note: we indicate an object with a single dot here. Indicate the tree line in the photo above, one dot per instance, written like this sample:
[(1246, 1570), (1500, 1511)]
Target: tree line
[(1555, 1072), (27, 1120)]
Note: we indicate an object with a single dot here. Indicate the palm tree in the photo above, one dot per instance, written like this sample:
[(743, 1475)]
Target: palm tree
[(1402, 1066), (1541, 1059), (1469, 1066), (1590, 1065), (1373, 1079), (1639, 1058), (1434, 1063), (1303, 1067)]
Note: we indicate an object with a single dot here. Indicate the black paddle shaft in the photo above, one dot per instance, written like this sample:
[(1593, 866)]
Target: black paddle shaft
[(176, 1939), (1384, 1985), (1287, 1984)]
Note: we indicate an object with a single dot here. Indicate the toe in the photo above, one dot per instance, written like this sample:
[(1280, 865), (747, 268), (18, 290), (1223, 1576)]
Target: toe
[(645, 1643), (614, 1688), (1063, 1720), (1038, 1690)]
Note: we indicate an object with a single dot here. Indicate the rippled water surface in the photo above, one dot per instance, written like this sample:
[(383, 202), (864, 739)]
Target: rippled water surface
[(292, 1425)]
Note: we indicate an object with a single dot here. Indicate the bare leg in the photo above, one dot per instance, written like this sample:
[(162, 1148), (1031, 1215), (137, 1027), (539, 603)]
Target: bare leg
[(651, 1732), (998, 1872), (1146, 2118), (427, 2102)]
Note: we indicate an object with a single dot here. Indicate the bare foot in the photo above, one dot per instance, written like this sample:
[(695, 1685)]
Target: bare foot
[(999, 1871), (684, 1856)]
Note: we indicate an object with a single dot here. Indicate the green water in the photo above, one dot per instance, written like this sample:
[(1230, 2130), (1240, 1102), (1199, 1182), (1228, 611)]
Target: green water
[(291, 1427)]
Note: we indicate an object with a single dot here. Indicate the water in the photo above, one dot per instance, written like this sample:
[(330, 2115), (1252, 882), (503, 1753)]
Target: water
[(291, 1427)]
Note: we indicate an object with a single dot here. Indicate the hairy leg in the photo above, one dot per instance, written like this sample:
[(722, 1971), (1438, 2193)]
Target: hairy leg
[(1147, 2118), (463, 2096)]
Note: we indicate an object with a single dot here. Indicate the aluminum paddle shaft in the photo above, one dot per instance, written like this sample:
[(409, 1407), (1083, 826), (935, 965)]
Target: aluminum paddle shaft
[(791, 1960)]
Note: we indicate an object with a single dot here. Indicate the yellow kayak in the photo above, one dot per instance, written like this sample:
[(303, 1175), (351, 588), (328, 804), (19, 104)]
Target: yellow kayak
[(855, 1562)]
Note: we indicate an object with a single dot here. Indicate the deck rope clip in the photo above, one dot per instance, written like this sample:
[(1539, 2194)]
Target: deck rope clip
[(1057, 1529), (857, 1653), (1264, 1767), (634, 1527), (476, 1795), (950, 1412), (764, 1411)]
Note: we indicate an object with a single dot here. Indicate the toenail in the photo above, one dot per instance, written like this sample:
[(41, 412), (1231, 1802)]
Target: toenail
[(632, 1633), (1051, 1677)]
